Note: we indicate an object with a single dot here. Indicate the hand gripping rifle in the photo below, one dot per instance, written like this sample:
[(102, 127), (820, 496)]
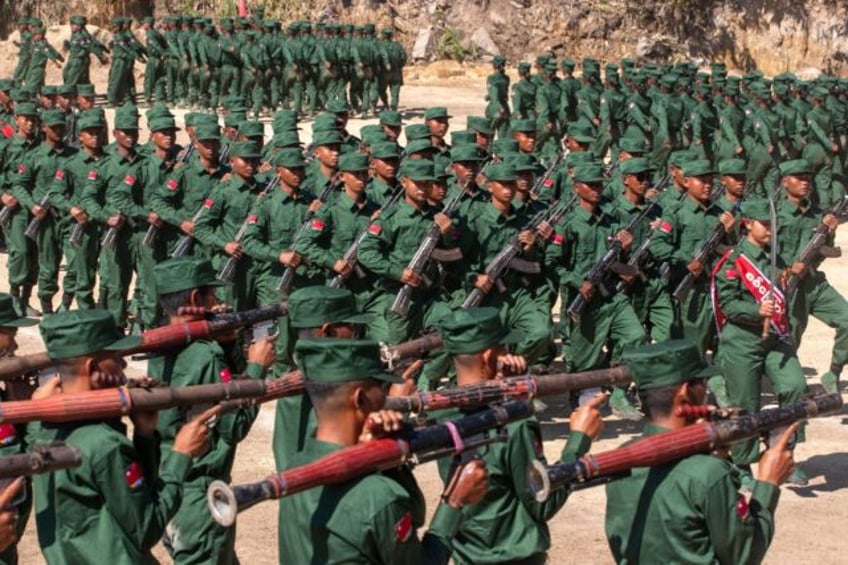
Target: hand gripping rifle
[(165, 337), (544, 180), (287, 279), (504, 390), (77, 233), (34, 225), (422, 256), (6, 215), (186, 242), (395, 355), (817, 246), (350, 255), (673, 445), (508, 256), (42, 459), (609, 262), (153, 230), (412, 446), (227, 272)]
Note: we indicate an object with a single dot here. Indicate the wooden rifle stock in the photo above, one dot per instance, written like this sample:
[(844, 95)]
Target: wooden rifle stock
[(393, 355), (673, 445), (353, 462)]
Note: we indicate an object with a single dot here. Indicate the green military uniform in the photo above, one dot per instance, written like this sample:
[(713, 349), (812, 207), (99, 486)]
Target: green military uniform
[(744, 355), (509, 525), (524, 94), (390, 75), (24, 52), (497, 96), (113, 507), (192, 536), (40, 53), (154, 71), (80, 46), (372, 519), (688, 511)]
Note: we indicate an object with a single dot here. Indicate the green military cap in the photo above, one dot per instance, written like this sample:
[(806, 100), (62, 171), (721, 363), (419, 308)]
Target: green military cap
[(372, 133), (251, 129), (353, 162), (634, 144), (314, 306), (441, 169), (331, 360), (462, 137), (147, 19), (86, 90), (581, 133), (245, 150), (550, 67), (417, 170), (635, 166), (369, 28), (9, 317), (419, 145), (290, 158), (66, 90), (474, 330), (820, 92), (498, 60), (480, 124), (385, 150), (567, 64), (325, 121), (669, 80), (207, 131), (666, 364), (287, 138), (126, 117), (82, 332), (163, 123), (436, 113), (6, 84), (390, 118), (234, 118), (158, 111), (732, 167), (91, 119), (48, 90), (542, 59), (386, 31), (20, 95), (627, 63), (501, 172), (466, 153), (417, 131), (337, 106), (522, 125), (697, 168), (77, 20), (681, 157), (579, 158), (184, 273), (53, 118), (327, 137), (116, 21), (503, 146), (347, 27), (588, 173), (520, 162), (524, 67), (756, 209), (795, 167), (285, 119), (26, 109)]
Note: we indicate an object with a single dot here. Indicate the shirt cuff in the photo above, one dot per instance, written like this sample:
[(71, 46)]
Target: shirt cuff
[(255, 371), (766, 494), (176, 465), (446, 521), (578, 444)]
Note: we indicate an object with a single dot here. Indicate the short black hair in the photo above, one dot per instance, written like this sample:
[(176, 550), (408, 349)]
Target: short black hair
[(657, 402)]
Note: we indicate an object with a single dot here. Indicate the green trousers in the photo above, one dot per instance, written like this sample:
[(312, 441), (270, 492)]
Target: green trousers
[(82, 266), (49, 243), (815, 297), (652, 304), (696, 318), (744, 357), (22, 251), (76, 71)]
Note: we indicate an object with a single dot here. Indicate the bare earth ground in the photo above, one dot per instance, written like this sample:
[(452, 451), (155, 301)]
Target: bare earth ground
[(808, 519)]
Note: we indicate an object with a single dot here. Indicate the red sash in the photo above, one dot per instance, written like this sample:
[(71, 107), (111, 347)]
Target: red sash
[(760, 287)]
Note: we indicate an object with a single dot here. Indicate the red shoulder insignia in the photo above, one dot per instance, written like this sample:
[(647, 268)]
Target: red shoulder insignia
[(207, 203), (129, 180), (133, 476), (226, 375), (8, 434), (22, 169), (60, 174), (558, 239), (172, 184), (742, 509), (375, 229), (549, 182), (665, 227), (317, 225), (403, 529), (252, 219), (731, 274), (92, 175)]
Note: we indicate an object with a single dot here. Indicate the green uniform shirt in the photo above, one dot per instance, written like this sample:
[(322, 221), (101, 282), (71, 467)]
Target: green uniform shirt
[(736, 301), (227, 208), (688, 511), (184, 190)]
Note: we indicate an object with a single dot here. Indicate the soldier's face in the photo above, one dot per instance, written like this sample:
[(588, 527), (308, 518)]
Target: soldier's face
[(244, 167), (164, 139), (90, 138), (415, 191), (355, 180), (798, 186), (26, 125), (436, 191), (589, 192), (291, 177), (758, 232), (699, 187), (526, 141), (734, 184), (525, 181), (438, 126), (8, 344), (484, 140), (502, 191), (126, 138), (85, 102), (209, 149), (385, 168), (54, 133), (637, 183), (328, 155), (392, 132), (465, 170)]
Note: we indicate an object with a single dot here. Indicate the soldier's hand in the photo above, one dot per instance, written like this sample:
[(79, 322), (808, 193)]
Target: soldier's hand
[(695, 267), (727, 220), (51, 387), (444, 222), (145, 422), (468, 484), (834, 147), (79, 215), (342, 267), (9, 518), (115, 221), (187, 227), (510, 364), (234, 249), (411, 278), (193, 437), (651, 193), (587, 419), (380, 424), (9, 201), (626, 239), (798, 268), (290, 259), (38, 211), (262, 352), (767, 308), (776, 464), (484, 283), (739, 150), (545, 230), (154, 219), (527, 238), (315, 205), (587, 289), (831, 221)]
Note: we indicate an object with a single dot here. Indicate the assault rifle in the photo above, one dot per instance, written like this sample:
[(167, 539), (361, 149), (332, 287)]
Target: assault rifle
[(536, 190), (817, 246), (34, 225), (186, 242)]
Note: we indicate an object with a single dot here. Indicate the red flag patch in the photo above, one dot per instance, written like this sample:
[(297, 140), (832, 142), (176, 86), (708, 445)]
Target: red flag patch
[(558, 239), (8, 434), (549, 183), (251, 219), (665, 227), (22, 169), (92, 175), (317, 225), (226, 375), (742, 509), (731, 274), (374, 229), (133, 476), (171, 184), (207, 203), (129, 180), (60, 174), (403, 529)]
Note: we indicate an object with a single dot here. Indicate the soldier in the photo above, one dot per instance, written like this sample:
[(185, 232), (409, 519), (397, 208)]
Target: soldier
[(508, 525), (345, 383), (689, 510), (744, 298), (524, 94), (41, 52), (437, 120), (548, 96), (497, 96), (115, 505), (80, 46), (390, 75), (24, 50), (154, 72), (192, 536)]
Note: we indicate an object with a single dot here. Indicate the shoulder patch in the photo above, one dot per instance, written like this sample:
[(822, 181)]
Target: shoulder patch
[(92, 175), (742, 509), (403, 528), (252, 219), (375, 229), (22, 169), (172, 184), (549, 182), (731, 274), (8, 434), (558, 239), (208, 203), (129, 180), (665, 227), (226, 375), (60, 174), (133, 476), (317, 225)]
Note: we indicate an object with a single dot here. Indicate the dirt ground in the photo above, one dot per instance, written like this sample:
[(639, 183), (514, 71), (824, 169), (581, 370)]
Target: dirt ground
[(806, 517)]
